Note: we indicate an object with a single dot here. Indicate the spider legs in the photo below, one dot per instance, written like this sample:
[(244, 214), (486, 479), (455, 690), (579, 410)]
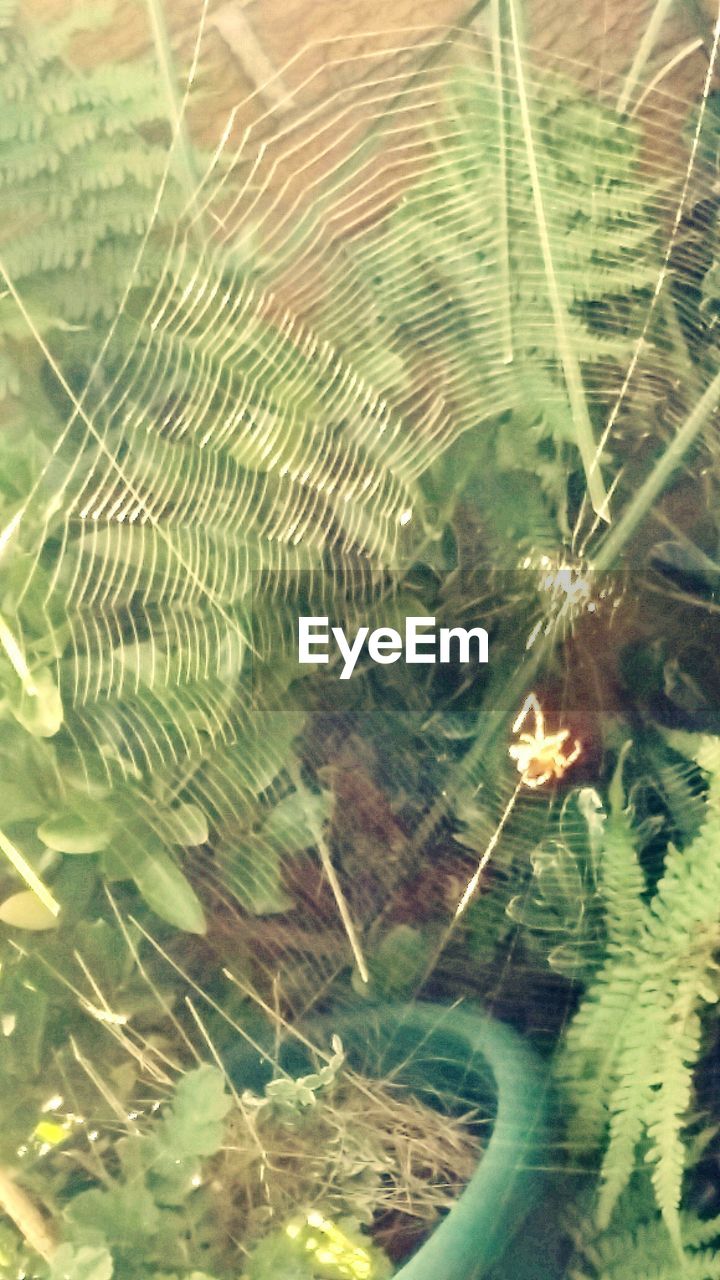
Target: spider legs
[(531, 704)]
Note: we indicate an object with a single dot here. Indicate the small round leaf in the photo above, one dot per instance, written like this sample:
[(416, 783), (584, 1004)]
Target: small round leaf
[(77, 831), (24, 910), (40, 712), (188, 825)]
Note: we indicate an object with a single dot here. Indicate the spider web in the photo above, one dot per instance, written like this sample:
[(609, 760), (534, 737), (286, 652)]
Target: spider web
[(253, 441)]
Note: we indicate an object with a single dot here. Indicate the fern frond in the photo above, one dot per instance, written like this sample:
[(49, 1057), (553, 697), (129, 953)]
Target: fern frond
[(435, 274), (231, 443), (645, 1251), (638, 1032), (79, 171), (621, 878)]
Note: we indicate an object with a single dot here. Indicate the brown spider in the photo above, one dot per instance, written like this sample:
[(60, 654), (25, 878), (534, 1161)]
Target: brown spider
[(539, 756)]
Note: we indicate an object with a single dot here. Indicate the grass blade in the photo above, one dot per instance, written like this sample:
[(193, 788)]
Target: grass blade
[(659, 477), (503, 229), (571, 368)]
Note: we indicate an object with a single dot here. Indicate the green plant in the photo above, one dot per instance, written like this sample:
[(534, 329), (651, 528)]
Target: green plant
[(645, 1247), (317, 1250), (146, 1215), (636, 1040), (241, 445), (463, 258), (82, 156)]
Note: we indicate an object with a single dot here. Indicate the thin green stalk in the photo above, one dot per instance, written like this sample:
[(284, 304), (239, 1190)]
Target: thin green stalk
[(15, 1204), (332, 877), (658, 478), (32, 880), (571, 366), (503, 220)]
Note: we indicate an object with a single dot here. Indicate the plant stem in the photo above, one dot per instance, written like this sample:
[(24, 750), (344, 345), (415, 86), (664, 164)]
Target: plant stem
[(473, 882), (504, 222), (33, 881), (331, 873), (30, 1222), (658, 478), (568, 358), (498, 709)]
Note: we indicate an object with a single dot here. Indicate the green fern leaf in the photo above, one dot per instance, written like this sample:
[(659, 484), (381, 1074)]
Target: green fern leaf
[(638, 1032)]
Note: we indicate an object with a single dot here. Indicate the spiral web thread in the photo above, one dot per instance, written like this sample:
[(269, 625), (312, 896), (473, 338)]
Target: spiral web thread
[(265, 418)]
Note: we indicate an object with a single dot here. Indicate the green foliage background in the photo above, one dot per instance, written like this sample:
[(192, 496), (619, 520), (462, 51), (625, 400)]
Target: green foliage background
[(175, 491)]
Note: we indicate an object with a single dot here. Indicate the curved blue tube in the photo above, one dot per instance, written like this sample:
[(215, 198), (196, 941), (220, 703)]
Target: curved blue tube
[(426, 1046), (508, 1180)]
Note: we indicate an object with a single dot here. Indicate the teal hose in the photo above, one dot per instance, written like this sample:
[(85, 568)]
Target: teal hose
[(507, 1181), (425, 1045)]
